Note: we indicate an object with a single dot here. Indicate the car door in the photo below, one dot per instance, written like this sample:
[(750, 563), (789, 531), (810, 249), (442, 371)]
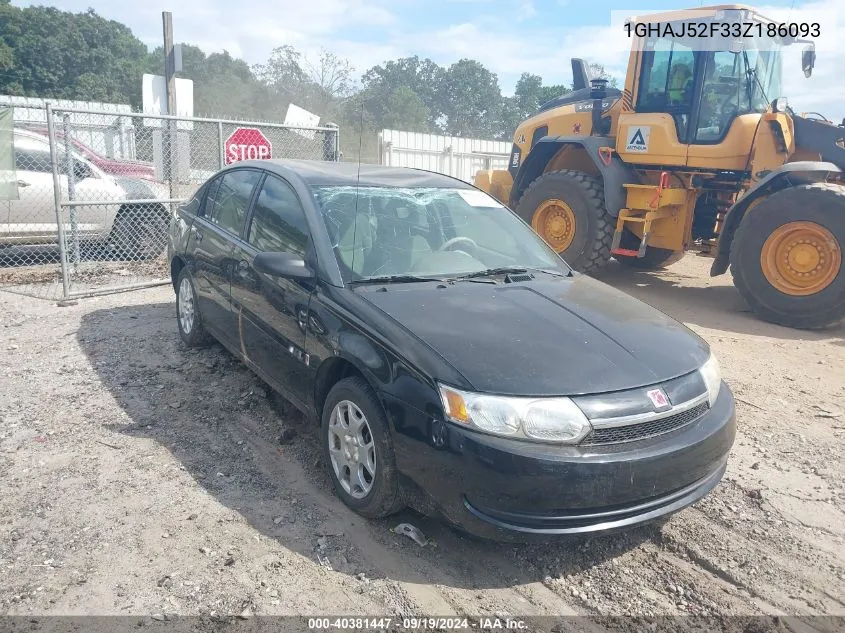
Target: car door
[(211, 244), (272, 311), (33, 214)]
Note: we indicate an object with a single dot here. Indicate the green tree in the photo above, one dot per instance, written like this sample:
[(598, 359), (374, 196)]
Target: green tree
[(223, 85), (45, 52), (283, 73), (550, 92), (405, 83), (329, 84), (524, 102), (528, 93), (405, 110), (320, 86), (471, 100)]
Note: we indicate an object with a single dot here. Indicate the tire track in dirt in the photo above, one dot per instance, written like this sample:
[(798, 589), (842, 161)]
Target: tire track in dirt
[(769, 539), (437, 579)]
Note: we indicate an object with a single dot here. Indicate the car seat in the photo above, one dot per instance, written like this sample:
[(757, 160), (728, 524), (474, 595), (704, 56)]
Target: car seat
[(398, 242)]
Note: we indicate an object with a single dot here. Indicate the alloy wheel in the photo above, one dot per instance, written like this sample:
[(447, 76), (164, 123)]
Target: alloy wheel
[(352, 449), (186, 306)]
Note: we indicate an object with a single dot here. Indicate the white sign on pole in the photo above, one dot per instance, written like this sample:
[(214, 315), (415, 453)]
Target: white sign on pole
[(154, 94), (300, 116)]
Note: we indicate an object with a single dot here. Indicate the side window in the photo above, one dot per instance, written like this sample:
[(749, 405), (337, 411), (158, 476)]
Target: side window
[(231, 199), (192, 205), (725, 95), (28, 159), (667, 81), (208, 206), (278, 220)]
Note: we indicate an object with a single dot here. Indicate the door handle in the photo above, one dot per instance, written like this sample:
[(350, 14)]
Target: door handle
[(197, 234), (23, 183)]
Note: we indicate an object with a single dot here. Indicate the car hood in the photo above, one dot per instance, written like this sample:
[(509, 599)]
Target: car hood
[(139, 189), (562, 336), (126, 162)]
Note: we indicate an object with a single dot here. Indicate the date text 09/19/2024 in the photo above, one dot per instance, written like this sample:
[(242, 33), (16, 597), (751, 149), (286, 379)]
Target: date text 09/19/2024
[(416, 624)]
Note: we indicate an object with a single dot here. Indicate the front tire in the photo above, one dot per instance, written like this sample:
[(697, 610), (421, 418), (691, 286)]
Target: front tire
[(358, 450), (566, 208), (188, 316), (786, 257)]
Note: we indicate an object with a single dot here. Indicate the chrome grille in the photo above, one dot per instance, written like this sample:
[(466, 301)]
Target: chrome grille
[(643, 430)]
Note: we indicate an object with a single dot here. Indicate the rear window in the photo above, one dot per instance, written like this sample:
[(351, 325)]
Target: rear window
[(228, 204), (192, 205)]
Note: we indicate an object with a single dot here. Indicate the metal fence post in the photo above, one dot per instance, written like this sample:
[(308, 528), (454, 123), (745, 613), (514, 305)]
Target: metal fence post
[(337, 152), (221, 152), (330, 143), (57, 199), (71, 188)]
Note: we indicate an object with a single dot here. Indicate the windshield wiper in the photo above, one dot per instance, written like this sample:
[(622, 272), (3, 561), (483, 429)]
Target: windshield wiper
[(510, 270), (393, 279)]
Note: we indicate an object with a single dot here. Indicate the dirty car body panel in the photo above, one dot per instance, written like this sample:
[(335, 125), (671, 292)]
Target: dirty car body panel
[(553, 333)]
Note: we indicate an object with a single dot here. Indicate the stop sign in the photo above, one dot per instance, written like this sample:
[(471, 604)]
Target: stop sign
[(247, 143)]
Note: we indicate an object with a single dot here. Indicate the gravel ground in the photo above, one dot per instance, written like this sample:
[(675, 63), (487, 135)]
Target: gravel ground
[(140, 477)]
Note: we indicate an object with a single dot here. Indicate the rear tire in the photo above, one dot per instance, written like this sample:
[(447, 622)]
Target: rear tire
[(587, 249), (654, 259), (814, 210), (188, 316)]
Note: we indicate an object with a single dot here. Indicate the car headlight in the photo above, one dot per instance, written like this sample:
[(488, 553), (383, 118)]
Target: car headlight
[(711, 373), (557, 420)]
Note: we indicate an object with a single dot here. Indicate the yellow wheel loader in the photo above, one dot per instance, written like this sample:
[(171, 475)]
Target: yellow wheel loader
[(699, 151)]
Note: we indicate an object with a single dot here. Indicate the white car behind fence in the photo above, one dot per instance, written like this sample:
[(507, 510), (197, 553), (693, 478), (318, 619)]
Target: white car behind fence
[(69, 229), (122, 217)]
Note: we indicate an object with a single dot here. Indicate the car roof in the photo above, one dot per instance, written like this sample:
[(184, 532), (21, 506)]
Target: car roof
[(30, 139), (317, 172)]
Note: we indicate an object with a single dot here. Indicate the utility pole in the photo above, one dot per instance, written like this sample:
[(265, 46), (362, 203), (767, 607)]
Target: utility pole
[(168, 144)]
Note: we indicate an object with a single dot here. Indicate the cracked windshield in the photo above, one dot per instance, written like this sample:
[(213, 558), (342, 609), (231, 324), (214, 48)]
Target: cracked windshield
[(378, 231)]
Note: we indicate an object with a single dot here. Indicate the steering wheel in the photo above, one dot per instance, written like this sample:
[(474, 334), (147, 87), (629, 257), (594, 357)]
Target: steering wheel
[(458, 240)]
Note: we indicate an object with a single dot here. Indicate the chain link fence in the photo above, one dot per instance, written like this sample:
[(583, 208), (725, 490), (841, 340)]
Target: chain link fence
[(93, 192)]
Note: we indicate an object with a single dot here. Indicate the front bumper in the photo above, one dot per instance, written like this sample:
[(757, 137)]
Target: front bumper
[(602, 519), (505, 489)]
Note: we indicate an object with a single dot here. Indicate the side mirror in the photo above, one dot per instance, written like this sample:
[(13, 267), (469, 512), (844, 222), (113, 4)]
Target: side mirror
[(282, 265), (808, 59)]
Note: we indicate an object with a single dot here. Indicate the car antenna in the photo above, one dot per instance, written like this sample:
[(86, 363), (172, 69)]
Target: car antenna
[(357, 188)]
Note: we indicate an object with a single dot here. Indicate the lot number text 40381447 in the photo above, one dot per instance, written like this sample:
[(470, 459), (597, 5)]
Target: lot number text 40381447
[(416, 624)]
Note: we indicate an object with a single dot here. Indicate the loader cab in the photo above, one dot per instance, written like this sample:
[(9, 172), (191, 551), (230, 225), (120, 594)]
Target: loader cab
[(696, 101)]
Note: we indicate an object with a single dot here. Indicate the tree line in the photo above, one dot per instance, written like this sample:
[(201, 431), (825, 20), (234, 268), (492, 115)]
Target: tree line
[(46, 52)]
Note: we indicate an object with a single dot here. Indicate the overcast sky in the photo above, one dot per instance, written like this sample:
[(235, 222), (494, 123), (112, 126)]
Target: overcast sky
[(507, 36)]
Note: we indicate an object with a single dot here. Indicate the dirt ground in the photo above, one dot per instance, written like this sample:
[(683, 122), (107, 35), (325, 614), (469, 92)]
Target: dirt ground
[(140, 477)]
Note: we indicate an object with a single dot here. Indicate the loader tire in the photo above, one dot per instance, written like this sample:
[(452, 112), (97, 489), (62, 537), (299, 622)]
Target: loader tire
[(654, 259), (566, 208), (786, 257)]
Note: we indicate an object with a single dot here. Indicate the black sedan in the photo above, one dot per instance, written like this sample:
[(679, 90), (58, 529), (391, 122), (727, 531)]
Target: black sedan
[(451, 360)]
